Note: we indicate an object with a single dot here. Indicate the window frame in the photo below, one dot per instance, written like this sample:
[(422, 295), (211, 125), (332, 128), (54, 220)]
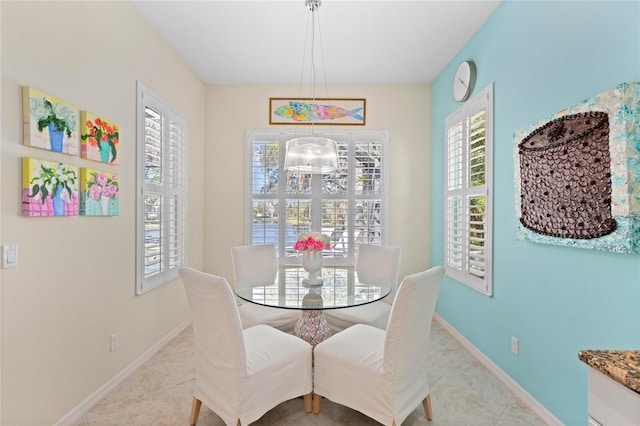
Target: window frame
[(461, 117), (174, 187), (353, 137)]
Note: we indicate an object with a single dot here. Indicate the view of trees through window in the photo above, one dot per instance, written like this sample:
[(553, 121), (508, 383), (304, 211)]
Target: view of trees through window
[(348, 205)]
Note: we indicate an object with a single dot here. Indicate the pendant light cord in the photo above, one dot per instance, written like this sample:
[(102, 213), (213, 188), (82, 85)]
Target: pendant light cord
[(313, 6)]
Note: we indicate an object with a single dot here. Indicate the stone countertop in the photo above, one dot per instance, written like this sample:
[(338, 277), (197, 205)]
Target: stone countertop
[(621, 366)]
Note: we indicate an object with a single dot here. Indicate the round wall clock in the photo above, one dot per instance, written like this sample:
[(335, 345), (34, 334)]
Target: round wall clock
[(463, 81)]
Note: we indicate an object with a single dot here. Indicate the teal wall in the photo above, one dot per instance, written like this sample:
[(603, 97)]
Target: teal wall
[(542, 56)]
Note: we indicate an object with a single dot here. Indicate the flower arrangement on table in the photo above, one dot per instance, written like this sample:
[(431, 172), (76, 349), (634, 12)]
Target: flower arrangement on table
[(102, 135), (311, 245), (312, 241)]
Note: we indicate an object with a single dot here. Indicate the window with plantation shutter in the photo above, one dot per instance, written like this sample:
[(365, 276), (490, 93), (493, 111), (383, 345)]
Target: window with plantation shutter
[(350, 205), (468, 192), (162, 192)]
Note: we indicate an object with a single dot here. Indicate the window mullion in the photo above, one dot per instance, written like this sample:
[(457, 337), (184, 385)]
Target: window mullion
[(164, 217), (317, 199), (351, 199), (282, 198)]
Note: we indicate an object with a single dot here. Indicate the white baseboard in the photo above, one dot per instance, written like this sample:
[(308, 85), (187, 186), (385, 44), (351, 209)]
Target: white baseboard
[(511, 384), (72, 416)]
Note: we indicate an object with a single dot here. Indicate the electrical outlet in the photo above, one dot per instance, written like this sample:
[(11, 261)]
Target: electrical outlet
[(115, 341), (514, 346)]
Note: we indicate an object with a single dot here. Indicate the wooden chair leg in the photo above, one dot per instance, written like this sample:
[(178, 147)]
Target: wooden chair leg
[(308, 401), (426, 403), (195, 410), (316, 403)]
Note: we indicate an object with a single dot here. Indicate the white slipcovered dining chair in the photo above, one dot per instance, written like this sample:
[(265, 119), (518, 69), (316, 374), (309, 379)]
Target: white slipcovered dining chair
[(257, 265), (383, 374), (240, 374), (373, 263)]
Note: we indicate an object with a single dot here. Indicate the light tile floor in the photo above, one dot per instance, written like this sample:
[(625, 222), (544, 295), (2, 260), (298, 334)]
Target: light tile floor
[(463, 392)]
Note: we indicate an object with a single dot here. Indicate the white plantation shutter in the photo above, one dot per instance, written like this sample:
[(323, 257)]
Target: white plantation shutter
[(349, 205), (468, 200), (162, 203), (176, 192)]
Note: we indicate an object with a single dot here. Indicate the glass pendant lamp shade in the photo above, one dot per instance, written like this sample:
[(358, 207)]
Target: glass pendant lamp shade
[(311, 155)]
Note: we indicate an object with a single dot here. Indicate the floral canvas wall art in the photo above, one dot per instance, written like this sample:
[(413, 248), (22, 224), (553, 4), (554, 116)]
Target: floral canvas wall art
[(49, 123), (100, 138), (49, 188), (99, 193)]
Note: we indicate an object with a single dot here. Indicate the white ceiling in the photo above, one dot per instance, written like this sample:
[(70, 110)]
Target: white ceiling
[(364, 42)]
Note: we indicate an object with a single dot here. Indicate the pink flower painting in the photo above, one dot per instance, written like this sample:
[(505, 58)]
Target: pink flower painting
[(99, 193)]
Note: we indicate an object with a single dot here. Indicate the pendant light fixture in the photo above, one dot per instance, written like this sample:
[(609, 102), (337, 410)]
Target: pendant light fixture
[(311, 154)]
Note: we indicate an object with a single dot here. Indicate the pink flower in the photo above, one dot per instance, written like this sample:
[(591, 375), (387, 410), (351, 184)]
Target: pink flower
[(101, 178), (109, 190), (314, 241), (95, 192)]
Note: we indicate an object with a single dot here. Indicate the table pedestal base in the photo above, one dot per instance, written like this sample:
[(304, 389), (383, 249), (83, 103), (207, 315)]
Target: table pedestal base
[(312, 327)]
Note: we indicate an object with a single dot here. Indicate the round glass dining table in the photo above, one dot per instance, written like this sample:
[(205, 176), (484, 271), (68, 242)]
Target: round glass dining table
[(341, 288)]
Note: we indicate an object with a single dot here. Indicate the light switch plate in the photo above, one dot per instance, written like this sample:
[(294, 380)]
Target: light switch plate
[(9, 256)]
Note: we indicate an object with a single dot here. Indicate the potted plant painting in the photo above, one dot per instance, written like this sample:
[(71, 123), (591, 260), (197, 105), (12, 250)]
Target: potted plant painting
[(100, 138), (58, 118), (99, 193), (56, 182)]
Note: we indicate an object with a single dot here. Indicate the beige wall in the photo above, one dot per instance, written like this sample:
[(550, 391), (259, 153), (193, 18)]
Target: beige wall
[(75, 282), (402, 110)]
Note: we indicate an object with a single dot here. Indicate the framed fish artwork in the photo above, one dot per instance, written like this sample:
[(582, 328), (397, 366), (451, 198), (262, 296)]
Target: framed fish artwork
[(318, 111)]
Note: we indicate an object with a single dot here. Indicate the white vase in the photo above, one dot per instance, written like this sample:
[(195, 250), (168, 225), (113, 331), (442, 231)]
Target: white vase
[(312, 263), (104, 204)]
